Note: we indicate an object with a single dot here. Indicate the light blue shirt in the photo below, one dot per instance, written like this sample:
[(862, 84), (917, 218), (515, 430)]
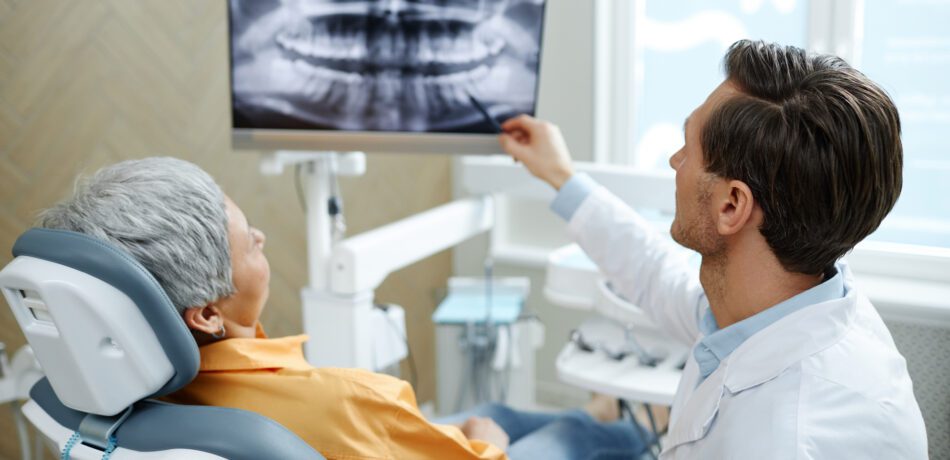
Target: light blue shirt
[(572, 194), (716, 344)]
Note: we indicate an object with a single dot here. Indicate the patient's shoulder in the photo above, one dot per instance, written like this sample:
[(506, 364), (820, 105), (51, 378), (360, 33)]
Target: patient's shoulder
[(370, 383), (359, 375)]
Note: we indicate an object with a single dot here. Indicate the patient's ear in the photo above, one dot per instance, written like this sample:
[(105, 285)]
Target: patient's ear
[(206, 319)]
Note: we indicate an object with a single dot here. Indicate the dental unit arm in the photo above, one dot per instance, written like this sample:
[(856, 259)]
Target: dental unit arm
[(362, 262), (338, 310)]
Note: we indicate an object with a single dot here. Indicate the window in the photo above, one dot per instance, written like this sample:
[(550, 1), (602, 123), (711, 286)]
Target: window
[(678, 47), (904, 45), (906, 48)]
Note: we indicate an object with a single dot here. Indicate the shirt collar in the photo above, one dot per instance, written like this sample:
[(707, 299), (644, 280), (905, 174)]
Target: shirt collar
[(254, 354), (717, 344)]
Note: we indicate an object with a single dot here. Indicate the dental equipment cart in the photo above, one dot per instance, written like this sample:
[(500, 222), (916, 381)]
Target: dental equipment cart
[(620, 353)]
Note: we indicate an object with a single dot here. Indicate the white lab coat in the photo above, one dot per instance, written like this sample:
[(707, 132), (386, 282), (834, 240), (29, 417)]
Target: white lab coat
[(825, 382)]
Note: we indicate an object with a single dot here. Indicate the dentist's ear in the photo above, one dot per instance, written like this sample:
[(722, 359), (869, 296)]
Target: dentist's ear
[(207, 319), (735, 208)]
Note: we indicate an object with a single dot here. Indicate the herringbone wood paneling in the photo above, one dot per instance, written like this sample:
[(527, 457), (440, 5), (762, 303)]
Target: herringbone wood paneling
[(85, 83)]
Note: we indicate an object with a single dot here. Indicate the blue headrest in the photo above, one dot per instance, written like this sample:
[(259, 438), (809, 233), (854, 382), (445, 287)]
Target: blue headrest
[(115, 267)]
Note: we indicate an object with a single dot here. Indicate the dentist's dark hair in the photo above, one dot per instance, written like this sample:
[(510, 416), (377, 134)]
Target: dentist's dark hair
[(816, 141)]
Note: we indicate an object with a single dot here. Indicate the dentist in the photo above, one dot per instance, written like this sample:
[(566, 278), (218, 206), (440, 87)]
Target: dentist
[(788, 164)]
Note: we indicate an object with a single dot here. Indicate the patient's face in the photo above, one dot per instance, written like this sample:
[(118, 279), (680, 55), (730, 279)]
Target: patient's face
[(250, 271)]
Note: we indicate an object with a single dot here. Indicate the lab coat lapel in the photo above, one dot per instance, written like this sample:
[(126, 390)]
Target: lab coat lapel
[(754, 363), (699, 409), (786, 342)]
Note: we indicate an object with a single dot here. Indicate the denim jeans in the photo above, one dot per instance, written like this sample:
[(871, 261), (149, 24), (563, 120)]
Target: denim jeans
[(570, 435)]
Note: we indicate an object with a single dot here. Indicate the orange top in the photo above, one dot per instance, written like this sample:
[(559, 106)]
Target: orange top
[(342, 413)]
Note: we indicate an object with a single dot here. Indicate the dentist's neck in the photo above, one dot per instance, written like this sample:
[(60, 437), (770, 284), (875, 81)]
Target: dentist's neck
[(747, 279)]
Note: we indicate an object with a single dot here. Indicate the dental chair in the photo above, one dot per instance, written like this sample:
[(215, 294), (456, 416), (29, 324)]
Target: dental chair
[(109, 340)]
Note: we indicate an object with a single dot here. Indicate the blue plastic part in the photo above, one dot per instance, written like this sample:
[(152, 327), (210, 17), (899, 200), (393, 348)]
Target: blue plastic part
[(473, 308), (109, 449), (73, 440)]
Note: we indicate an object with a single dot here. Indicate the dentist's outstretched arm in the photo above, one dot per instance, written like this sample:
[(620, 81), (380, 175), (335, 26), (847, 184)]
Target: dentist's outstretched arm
[(540, 146), (646, 268)]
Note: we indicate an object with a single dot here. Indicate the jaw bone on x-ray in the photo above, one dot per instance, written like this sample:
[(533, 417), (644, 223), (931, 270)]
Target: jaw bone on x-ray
[(383, 65)]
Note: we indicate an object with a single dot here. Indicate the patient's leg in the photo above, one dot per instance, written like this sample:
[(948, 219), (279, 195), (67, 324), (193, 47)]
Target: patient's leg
[(518, 424), (579, 436)]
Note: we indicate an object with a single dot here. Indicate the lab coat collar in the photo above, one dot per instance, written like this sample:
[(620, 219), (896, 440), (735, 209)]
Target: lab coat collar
[(797, 335), (779, 346)]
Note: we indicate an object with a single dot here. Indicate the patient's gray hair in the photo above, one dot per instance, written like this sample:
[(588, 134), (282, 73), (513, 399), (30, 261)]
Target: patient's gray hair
[(167, 213)]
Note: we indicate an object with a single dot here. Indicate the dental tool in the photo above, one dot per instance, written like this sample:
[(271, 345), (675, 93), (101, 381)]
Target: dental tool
[(481, 109)]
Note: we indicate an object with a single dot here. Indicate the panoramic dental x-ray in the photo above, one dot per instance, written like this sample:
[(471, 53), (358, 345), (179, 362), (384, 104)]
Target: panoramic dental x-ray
[(394, 65)]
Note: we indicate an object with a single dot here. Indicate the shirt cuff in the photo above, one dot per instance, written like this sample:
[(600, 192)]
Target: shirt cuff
[(572, 194)]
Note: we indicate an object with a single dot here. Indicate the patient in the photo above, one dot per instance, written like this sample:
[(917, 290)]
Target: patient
[(174, 219)]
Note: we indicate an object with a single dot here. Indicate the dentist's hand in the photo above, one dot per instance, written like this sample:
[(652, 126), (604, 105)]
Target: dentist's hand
[(540, 146)]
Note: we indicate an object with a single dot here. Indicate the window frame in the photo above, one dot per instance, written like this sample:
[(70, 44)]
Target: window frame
[(834, 27)]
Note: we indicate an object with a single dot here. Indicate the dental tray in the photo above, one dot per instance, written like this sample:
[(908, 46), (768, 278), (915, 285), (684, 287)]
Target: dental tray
[(628, 377)]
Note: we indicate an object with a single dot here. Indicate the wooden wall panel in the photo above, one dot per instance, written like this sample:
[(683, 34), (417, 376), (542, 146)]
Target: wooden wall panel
[(88, 83)]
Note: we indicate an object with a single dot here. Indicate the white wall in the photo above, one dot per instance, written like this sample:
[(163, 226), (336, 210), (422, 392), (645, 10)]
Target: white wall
[(566, 96)]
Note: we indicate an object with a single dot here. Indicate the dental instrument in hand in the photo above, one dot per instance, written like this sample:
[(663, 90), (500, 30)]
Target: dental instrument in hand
[(487, 116)]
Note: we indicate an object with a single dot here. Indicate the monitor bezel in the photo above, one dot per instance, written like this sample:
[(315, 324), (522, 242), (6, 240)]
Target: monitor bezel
[(366, 141)]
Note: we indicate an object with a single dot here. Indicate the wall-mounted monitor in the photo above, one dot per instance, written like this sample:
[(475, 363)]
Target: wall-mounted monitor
[(381, 75)]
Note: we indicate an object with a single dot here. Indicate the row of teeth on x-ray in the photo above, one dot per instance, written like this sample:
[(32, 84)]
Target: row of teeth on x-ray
[(394, 96), (424, 49), (388, 100)]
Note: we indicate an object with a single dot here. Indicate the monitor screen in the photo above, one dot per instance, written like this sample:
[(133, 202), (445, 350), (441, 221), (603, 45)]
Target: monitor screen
[(382, 75)]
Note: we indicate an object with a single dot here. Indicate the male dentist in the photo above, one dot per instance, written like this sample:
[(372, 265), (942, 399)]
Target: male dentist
[(788, 164)]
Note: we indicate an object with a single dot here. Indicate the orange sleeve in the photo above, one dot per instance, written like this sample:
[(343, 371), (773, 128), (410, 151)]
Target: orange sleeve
[(343, 413), (415, 437)]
